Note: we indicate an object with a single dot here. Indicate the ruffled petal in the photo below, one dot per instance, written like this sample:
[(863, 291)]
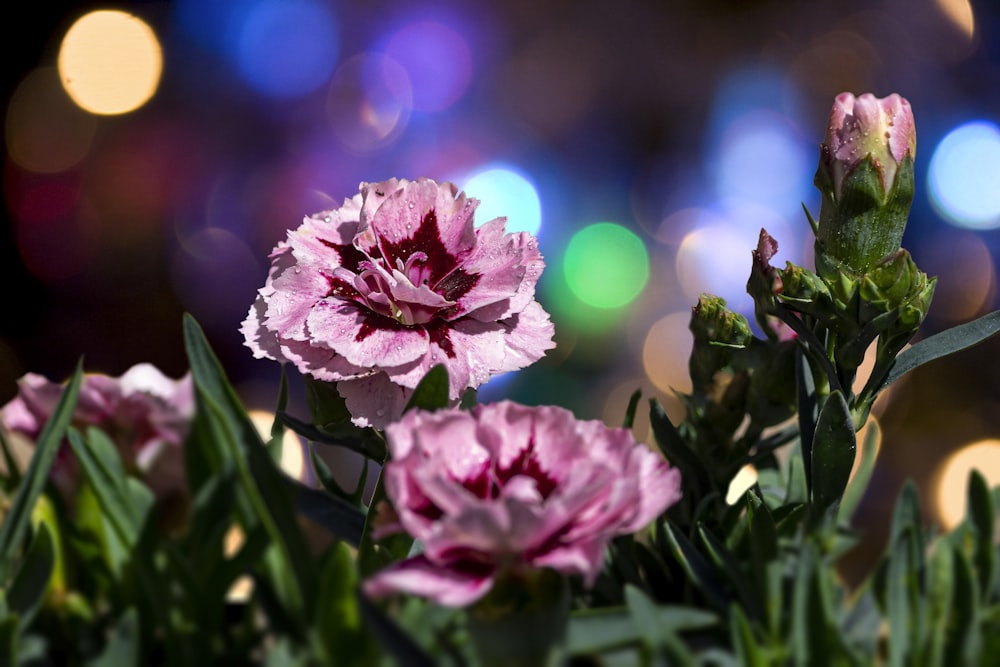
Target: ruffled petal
[(451, 587), (364, 338)]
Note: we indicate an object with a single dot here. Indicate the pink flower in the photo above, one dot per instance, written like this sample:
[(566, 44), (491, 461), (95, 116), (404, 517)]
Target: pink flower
[(146, 414), (509, 487), (866, 125), (397, 280)]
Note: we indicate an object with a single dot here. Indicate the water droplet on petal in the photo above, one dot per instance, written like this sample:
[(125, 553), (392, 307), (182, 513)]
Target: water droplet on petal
[(410, 205)]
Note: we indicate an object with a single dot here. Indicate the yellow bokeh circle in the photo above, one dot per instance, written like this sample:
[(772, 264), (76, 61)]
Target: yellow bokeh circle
[(110, 62)]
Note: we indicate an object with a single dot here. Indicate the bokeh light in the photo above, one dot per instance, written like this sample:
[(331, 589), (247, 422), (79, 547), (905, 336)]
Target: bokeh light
[(964, 176), (959, 12), (294, 452), (368, 102), (716, 259), (287, 48), (951, 484), (110, 62), (504, 191), (606, 265), (665, 353), (45, 131), (741, 482), (761, 159), (438, 61)]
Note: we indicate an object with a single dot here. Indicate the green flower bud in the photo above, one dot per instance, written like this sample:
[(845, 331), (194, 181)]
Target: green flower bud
[(865, 176)]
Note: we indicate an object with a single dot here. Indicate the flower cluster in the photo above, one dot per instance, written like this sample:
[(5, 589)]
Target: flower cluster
[(397, 280), (507, 486), (146, 414)]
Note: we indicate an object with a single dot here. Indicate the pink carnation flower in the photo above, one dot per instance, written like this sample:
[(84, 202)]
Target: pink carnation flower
[(146, 414), (507, 486), (397, 280)]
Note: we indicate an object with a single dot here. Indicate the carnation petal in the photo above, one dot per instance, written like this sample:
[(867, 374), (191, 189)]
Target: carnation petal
[(365, 338), (374, 400), (448, 586)]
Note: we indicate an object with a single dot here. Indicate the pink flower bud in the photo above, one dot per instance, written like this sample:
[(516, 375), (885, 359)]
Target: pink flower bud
[(865, 175), (868, 126)]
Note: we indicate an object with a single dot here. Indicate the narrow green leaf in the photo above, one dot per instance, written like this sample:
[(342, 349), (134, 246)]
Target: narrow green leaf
[(856, 487), (391, 637), (10, 463), (942, 344), (10, 631), (326, 405), (259, 476), (797, 489), (275, 444), (633, 405), (964, 642), (697, 567), (432, 392), (982, 515), (609, 628), (341, 518), (374, 555), (833, 451), (902, 602), (337, 618), (651, 630), (730, 567), (27, 590), (103, 468), (741, 635), (675, 449), (18, 516), (805, 398), (123, 645), (346, 435), (940, 588)]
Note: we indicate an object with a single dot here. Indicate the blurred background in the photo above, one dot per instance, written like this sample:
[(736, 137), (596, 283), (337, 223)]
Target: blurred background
[(155, 152)]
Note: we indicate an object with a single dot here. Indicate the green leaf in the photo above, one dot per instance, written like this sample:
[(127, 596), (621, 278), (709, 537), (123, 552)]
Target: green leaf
[(805, 397), (675, 449), (343, 519), (902, 601), (741, 635), (834, 445), (10, 631), (964, 642), (859, 483), (259, 476), (940, 587), (326, 405), (391, 637), (347, 435), (27, 590), (633, 404), (942, 344), (123, 645), (982, 516), (13, 477), (605, 629), (337, 620), (16, 521), (103, 468), (374, 555), (698, 569), (432, 392), (651, 630), (729, 566)]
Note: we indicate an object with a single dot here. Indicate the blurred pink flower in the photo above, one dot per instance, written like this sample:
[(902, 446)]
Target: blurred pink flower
[(374, 294), (509, 487), (146, 414), (867, 125)]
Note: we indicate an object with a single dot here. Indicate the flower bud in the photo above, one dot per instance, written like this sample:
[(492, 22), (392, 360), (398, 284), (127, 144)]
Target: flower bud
[(865, 175)]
